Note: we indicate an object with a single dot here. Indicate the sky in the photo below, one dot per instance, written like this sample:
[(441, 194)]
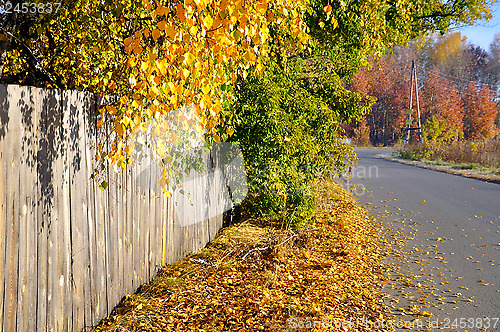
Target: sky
[(483, 32)]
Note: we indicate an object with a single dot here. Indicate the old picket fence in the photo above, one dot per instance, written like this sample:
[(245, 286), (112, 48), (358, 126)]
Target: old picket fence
[(69, 252)]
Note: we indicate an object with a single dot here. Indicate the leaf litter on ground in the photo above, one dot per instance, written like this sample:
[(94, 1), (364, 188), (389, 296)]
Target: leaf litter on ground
[(255, 276)]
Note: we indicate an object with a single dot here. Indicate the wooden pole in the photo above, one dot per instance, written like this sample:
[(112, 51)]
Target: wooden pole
[(413, 85), (407, 140), (418, 104)]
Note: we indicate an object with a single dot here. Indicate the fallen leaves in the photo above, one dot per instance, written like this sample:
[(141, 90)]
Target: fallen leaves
[(254, 276)]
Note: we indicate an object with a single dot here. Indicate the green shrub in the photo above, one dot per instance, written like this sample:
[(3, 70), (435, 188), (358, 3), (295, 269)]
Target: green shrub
[(287, 123)]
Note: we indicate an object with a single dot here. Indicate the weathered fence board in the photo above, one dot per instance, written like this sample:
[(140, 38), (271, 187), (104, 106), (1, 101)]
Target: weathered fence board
[(27, 283), (12, 175), (4, 116), (68, 251)]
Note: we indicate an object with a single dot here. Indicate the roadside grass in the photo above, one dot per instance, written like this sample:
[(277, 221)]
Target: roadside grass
[(255, 276), (474, 159), (464, 154)]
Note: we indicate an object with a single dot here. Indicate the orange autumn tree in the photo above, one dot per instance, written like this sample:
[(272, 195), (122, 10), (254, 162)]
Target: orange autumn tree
[(480, 112), (442, 109)]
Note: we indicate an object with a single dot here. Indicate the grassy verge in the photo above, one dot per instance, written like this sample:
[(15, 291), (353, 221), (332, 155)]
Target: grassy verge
[(254, 276), (479, 160)]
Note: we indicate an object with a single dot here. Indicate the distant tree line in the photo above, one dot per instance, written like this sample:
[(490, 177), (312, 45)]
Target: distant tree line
[(459, 89)]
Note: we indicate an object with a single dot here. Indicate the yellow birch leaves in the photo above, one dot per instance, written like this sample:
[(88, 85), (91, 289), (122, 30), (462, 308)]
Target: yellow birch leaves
[(185, 52)]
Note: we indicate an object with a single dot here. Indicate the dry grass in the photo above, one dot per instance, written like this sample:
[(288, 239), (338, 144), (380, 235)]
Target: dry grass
[(464, 154)]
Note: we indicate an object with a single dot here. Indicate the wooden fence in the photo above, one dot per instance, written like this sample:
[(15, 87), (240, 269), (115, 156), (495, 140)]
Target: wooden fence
[(68, 251)]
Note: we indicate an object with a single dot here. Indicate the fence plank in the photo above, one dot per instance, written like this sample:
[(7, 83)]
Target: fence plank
[(68, 98), (4, 152), (112, 241), (128, 232), (11, 172), (26, 310), (59, 231), (95, 261), (151, 224), (100, 276), (119, 236), (79, 180), (86, 113), (147, 222), (158, 221), (158, 250), (135, 228), (45, 141), (142, 227)]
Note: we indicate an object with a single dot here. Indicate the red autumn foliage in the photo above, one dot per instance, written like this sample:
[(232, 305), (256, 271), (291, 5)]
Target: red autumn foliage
[(383, 81), (440, 98), (479, 112)]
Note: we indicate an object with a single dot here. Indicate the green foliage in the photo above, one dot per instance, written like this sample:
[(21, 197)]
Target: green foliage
[(439, 132), (287, 120), (410, 154), (288, 129)]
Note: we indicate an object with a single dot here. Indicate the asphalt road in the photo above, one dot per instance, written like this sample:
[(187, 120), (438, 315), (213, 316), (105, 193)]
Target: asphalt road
[(449, 266)]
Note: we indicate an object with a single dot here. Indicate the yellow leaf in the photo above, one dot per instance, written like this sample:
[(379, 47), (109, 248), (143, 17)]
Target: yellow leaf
[(126, 120), (160, 150), (334, 23), (161, 11), (328, 9), (127, 41), (120, 129), (188, 59), (208, 21), (262, 7), (249, 56), (137, 49), (162, 67), (216, 49), (129, 148), (193, 30), (112, 110), (162, 182), (185, 73), (99, 123), (156, 34), (236, 34), (162, 25), (205, 89), (180, 12), (170, 30), (147, 4)]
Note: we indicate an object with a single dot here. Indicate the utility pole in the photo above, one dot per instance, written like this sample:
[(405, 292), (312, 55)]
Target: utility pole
[(409, 111)]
